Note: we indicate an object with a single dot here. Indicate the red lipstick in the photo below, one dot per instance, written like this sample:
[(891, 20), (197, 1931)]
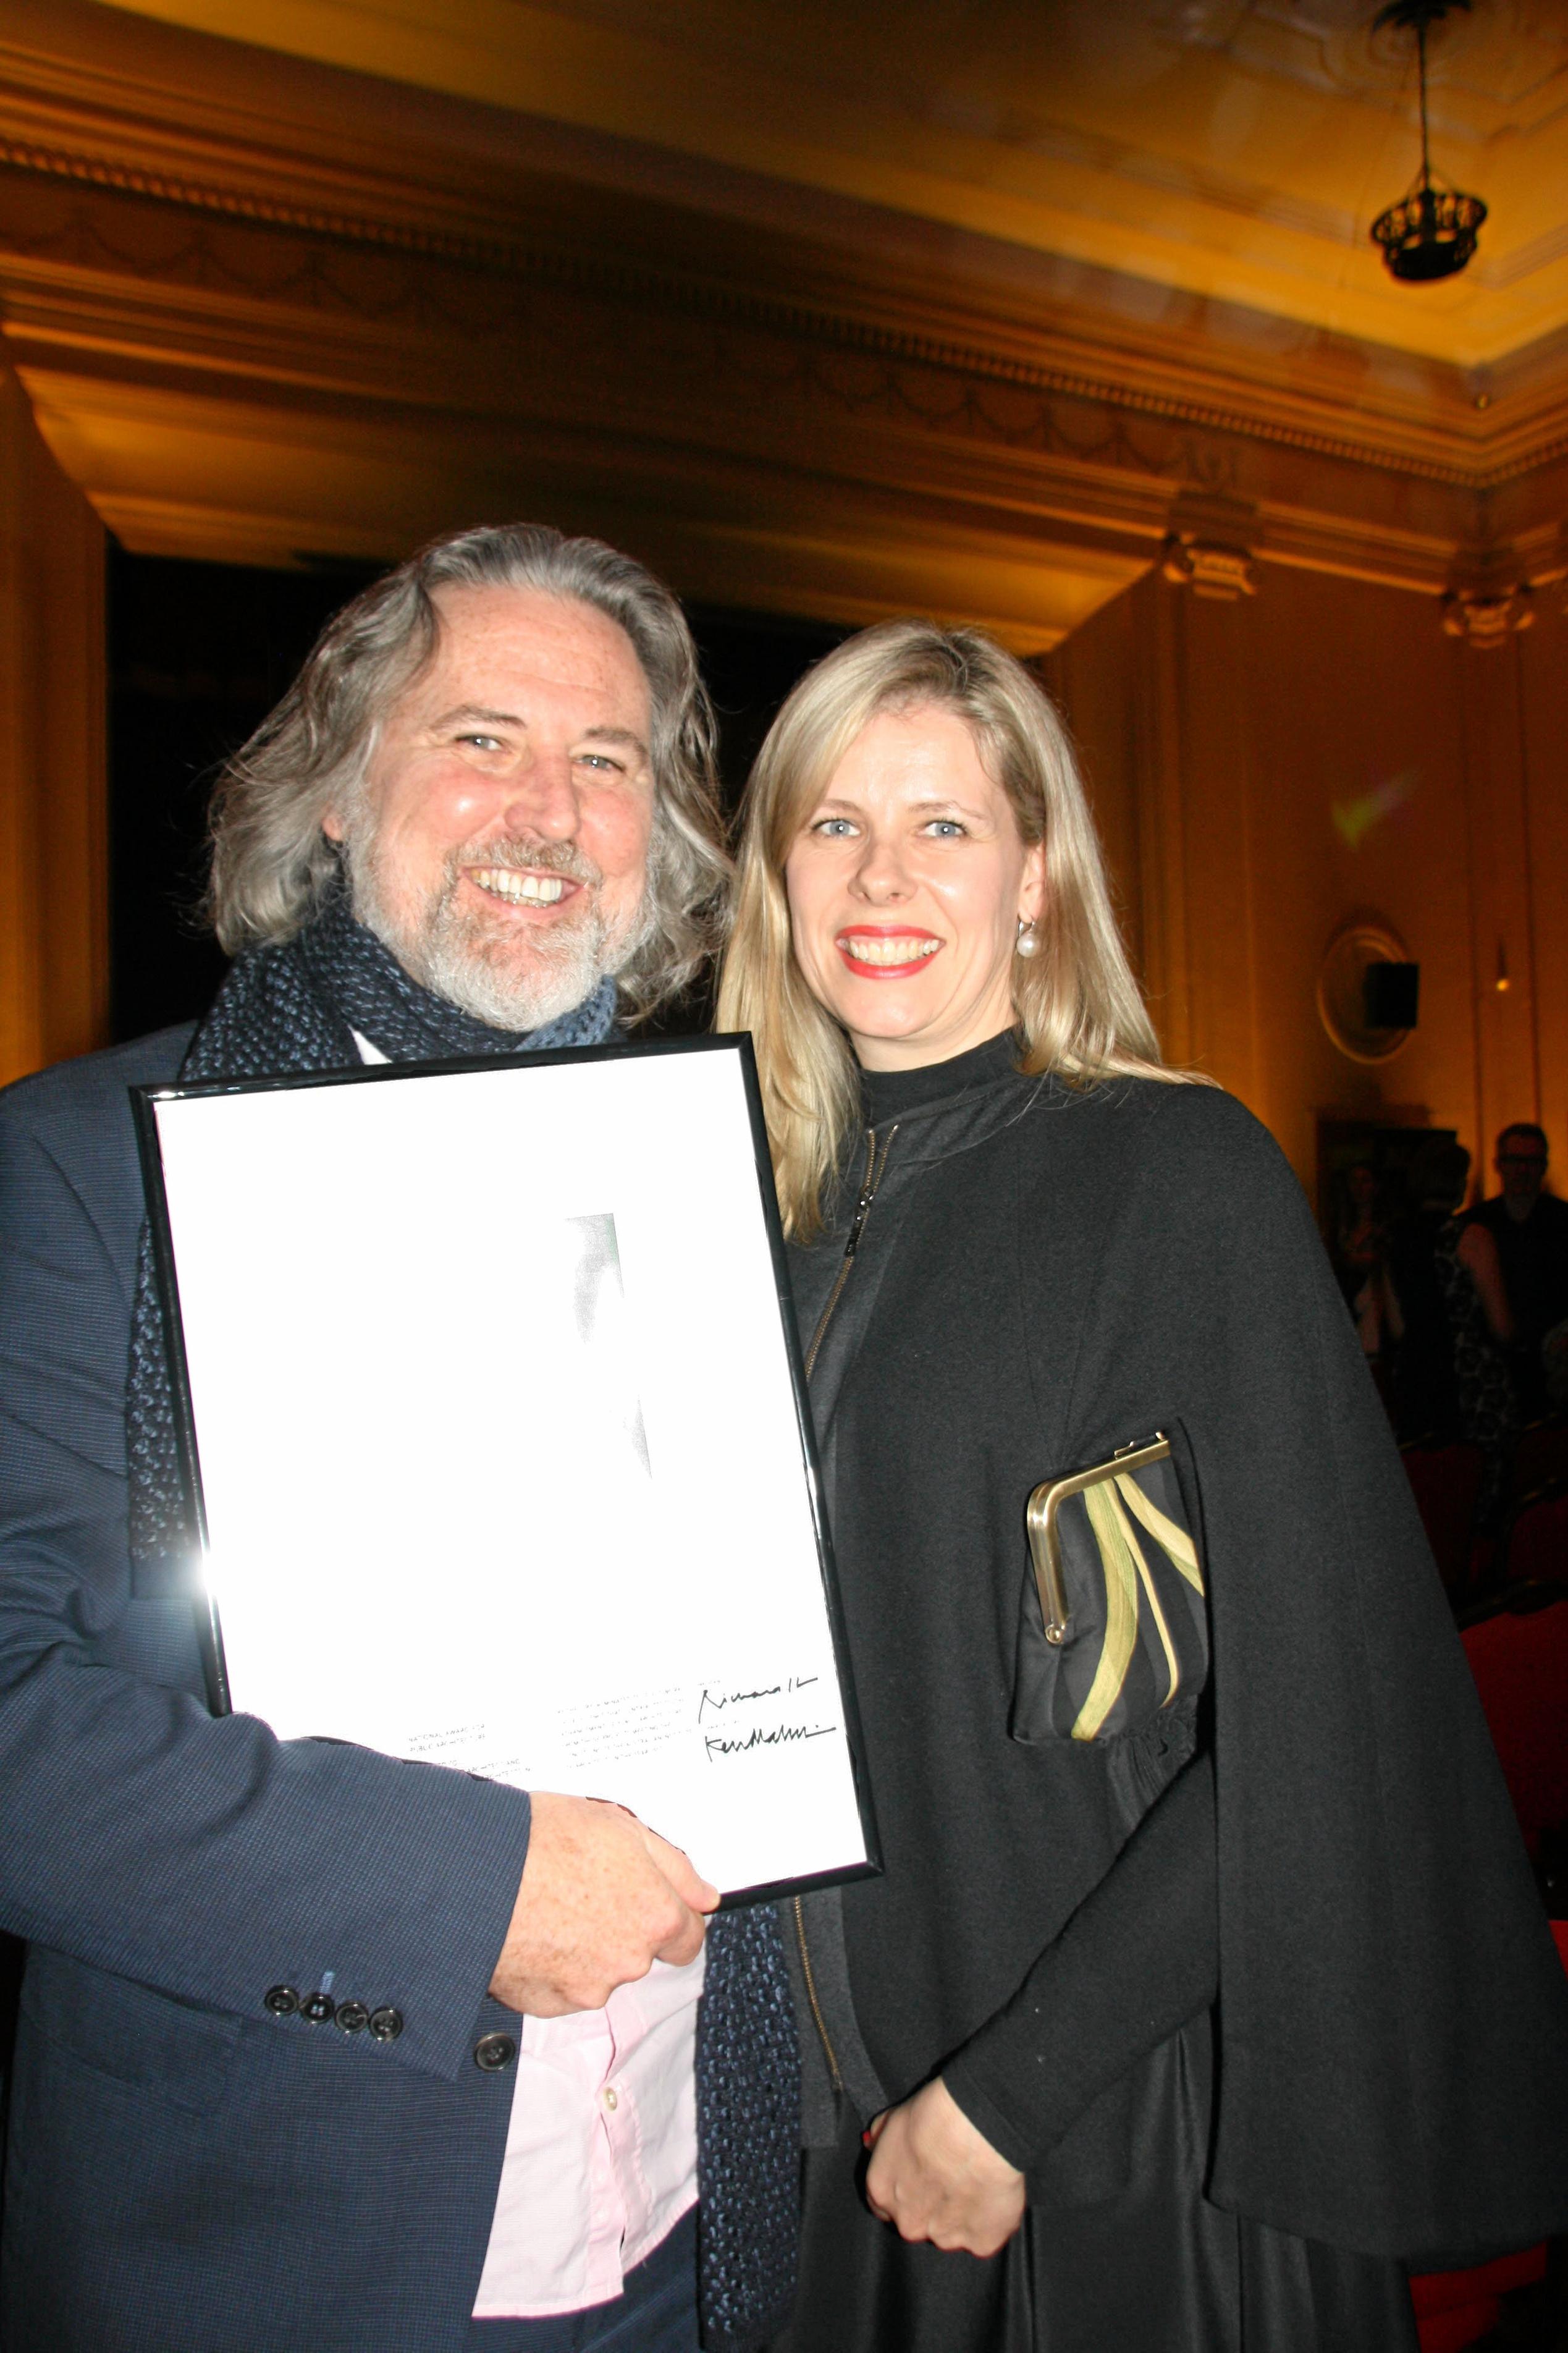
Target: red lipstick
[(876, 966)]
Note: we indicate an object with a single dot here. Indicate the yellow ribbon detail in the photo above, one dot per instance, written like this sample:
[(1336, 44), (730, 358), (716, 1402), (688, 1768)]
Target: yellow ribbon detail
[(1122, 1569), (1165, 1532), (1172, 1664)]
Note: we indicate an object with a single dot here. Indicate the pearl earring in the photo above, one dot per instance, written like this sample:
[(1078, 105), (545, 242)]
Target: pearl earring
[(1026, 943)]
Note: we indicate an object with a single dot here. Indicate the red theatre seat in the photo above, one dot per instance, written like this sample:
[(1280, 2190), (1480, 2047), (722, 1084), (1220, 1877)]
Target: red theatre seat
[(1447, 1480), (1518, 1651), (1454, 2309), (1538, 1537), (1541, 1455)]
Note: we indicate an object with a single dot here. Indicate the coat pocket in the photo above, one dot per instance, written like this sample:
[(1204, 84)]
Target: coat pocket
[(130, 2032), (1112, 1621)]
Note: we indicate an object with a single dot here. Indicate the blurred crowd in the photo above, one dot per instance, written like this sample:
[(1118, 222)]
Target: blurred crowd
[(1463, 1314)]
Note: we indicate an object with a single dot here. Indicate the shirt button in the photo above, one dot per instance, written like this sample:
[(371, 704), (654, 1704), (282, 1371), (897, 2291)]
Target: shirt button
[(318, 2007), (494, 2051), (612, 2097), (353, 2017), (386, 2025), (281, 2000)]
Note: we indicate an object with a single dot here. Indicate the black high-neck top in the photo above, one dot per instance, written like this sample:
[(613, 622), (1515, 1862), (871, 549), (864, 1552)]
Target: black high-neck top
[(888, 1094)]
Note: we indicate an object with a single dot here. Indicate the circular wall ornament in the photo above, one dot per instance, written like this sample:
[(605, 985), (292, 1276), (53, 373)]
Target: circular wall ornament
[(1341, 1004)]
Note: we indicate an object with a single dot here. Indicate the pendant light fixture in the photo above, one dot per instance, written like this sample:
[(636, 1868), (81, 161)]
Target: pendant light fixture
[(1431, 231)]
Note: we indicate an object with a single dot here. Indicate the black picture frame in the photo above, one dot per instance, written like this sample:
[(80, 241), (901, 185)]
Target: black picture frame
[(144, 1099)]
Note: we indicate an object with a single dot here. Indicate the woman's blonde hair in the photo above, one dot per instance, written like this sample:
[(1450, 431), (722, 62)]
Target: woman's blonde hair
[(1078, 1005)]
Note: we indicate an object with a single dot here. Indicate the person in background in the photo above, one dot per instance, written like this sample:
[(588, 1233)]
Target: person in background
[(1448, 1312), (1179, 2023), (1360, 1236), (1528, 1227)]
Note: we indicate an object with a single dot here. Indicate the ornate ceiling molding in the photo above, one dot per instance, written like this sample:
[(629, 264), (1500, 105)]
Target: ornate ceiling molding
[(105, 172), (1218, 148), (238, 253), (105, 290), (1486, 621), (1208, 567), (687, 292)]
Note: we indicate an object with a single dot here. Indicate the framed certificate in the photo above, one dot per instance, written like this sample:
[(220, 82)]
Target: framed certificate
[(490, 1407)]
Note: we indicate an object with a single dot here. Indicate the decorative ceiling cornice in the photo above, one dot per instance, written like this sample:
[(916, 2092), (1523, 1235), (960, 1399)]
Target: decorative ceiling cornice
[(710, 297), (240, 204)]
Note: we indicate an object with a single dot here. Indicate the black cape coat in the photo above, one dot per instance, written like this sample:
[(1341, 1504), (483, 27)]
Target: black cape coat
[(1044, 1275)]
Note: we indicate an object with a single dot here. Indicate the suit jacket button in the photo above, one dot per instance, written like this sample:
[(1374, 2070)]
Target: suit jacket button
[(353, 2017), (386, 2025), (494, 2051), (281, 2000), (318, 2007)]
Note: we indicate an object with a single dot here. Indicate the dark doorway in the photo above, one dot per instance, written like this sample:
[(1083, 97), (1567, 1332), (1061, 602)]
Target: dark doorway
[(198, 654), (751, 661)]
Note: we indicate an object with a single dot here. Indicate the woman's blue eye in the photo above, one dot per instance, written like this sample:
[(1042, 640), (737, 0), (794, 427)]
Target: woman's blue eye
[(835, 825), (946, 827)]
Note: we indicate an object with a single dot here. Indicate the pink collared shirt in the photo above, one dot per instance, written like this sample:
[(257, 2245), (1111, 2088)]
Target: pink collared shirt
[(601, 2154)]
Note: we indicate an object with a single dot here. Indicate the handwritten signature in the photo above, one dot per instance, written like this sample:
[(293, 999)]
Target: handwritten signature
[(762, 1736), (718, 1700)]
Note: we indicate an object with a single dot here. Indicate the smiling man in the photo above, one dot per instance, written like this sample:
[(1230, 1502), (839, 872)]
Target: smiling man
[(319, 2048), (499, 842)]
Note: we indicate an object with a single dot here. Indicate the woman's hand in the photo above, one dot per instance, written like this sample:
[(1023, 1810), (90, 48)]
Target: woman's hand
[(933, 2175)]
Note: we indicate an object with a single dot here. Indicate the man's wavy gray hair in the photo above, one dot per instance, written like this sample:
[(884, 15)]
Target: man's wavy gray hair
[(272, 866)]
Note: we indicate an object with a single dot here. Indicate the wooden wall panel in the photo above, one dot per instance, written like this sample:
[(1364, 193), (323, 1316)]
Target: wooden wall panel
[(1359, 814), (1118, 682), (54, 924), (1090, 676), (1271, 769)]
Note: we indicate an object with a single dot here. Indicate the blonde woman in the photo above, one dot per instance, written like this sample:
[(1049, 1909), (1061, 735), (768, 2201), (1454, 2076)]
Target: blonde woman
[(1187, 2011)]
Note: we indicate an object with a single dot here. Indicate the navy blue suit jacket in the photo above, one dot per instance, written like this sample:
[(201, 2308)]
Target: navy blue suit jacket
[(188, 2173)]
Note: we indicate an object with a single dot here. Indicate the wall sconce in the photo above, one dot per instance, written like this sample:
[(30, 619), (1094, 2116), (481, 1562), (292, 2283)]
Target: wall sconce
[(1431, 231), (1368, 991)]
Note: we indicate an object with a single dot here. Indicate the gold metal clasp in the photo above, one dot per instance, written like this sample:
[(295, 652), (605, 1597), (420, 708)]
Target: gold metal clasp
[(1045, 1544)]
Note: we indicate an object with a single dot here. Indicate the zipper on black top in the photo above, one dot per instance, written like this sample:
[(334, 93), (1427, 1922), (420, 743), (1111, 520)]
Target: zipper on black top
[(809, 1974), (876, 1169)]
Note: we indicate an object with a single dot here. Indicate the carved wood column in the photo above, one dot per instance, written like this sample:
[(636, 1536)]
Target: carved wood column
[(1171, 779), (54, 901), (1542, 660), (1503, 907), (1213, 655)]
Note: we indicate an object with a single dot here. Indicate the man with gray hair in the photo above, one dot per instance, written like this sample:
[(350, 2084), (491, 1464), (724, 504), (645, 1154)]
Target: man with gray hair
[(320, 2049)]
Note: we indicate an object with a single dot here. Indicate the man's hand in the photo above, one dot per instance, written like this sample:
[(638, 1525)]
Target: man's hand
[(934, 2176), (602, 1899)]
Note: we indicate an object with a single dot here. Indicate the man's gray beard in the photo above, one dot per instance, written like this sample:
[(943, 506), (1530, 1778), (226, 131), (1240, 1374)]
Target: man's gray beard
[(453, 957)]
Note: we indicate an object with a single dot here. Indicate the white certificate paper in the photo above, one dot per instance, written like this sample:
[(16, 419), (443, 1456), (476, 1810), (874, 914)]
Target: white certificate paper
[(495, 1431)]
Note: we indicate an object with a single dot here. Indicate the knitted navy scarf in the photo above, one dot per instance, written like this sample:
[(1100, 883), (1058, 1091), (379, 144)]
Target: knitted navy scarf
[(296, 1009)]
